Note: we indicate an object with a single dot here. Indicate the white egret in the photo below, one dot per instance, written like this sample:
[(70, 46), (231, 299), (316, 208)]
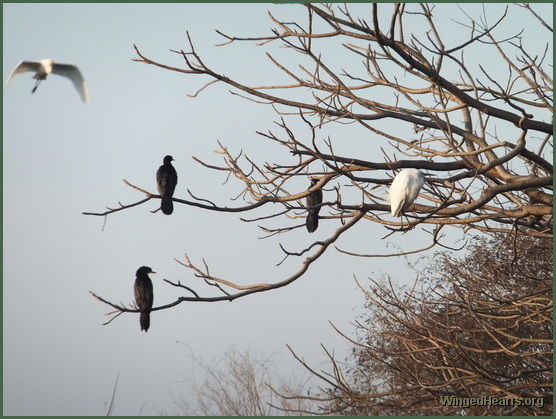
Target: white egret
[(404, 190), (45, 67)]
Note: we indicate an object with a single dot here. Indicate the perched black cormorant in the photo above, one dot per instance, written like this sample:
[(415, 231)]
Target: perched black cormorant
[(166, 181), (315, 198), (143, 290)]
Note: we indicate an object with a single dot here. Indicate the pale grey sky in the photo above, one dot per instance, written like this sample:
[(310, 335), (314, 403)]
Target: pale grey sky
[(62, 157)]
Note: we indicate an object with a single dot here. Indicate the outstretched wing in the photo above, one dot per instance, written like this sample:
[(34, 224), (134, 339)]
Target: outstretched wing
[(23, 67), (72, 72)]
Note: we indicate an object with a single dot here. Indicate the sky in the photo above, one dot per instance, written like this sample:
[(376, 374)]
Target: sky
[(62, 157)]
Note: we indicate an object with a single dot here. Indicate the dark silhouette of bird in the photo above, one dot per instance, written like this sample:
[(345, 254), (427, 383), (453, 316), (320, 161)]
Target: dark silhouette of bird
[(166, 181), (314, 198), (143, 290), (45, 67)]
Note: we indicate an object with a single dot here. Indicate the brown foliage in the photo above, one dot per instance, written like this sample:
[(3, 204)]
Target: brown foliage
[(472, 326)]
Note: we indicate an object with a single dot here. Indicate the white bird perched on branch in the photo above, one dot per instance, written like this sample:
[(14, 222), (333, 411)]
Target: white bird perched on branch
[(45, 67), (404, 190)]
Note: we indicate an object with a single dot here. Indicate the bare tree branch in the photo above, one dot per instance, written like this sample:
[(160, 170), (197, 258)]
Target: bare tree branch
[(416, 98)]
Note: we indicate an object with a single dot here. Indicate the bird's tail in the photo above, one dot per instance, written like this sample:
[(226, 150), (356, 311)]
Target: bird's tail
[(167, 206), (312, 222), (396, 212), (145, 320)]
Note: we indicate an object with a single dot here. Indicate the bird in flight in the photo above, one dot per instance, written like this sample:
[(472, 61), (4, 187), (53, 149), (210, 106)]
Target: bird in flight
[(45, 67), (404, 190), (143, 290), (166, 181), (313, 199)]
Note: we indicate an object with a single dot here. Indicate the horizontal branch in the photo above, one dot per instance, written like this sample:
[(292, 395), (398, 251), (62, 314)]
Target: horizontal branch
[(399, 164), (323, 245)]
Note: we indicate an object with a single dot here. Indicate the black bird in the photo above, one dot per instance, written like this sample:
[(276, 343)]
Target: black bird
[(166, 181), (143, 290), (314, 198)]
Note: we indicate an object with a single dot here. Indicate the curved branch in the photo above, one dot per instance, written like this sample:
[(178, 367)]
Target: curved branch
[(323, 245)]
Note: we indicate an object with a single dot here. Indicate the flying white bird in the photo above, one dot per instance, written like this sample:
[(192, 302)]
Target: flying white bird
[(404, 190), (45, 67)]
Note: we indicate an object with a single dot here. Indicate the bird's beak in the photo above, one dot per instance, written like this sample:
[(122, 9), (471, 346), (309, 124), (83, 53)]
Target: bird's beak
[(152, 272)]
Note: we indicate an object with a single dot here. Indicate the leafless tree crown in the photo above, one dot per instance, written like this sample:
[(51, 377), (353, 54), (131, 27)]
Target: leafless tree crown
[(458, 99)]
